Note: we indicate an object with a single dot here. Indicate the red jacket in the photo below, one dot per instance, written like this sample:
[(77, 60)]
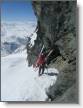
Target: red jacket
[(40, 60)]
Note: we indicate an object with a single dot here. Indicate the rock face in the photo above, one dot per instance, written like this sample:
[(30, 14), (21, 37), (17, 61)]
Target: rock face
[(57, 26)]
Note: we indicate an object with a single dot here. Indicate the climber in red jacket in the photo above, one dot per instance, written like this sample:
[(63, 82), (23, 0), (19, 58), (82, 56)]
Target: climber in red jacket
[(41, 63)]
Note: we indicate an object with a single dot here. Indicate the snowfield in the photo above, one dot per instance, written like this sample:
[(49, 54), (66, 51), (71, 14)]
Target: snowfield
[(18, 81), (22, 83)]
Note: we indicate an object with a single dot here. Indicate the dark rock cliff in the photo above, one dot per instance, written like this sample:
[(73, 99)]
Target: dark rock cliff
[(56, 22)]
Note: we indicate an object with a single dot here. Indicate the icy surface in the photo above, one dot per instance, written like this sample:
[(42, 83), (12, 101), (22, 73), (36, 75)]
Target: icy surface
[(22, 83)]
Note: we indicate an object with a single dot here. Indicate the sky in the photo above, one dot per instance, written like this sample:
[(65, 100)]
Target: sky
[(17, 11)]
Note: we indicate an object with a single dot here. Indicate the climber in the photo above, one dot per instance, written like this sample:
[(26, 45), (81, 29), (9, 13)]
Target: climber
[(45, 58), (41, 63), (42, 60)]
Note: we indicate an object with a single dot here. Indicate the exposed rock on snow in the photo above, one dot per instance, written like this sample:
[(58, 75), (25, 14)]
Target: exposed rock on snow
[(57, 25)]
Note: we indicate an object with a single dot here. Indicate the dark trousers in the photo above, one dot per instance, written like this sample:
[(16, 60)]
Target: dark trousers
[(41, 69)]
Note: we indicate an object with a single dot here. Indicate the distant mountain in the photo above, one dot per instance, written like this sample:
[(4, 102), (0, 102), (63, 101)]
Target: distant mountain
[(14, 35)]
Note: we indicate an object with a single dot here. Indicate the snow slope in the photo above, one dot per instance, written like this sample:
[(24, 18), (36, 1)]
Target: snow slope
[(20, 82)]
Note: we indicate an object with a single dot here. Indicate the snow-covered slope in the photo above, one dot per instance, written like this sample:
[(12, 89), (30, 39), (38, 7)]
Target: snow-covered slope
[(18, 81), (14, 35), (22, 83)]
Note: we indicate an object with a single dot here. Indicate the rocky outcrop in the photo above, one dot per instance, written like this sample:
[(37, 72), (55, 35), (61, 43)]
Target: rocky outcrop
[(57, 26)]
